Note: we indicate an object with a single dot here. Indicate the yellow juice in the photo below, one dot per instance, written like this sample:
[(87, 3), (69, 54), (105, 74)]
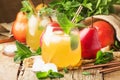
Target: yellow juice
[(35, 28), (56, 48), (34, 40)]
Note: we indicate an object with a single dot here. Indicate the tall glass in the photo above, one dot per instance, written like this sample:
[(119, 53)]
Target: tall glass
[(61, 49), (36, 26)]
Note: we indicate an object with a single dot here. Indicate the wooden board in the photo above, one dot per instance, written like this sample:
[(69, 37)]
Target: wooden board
[(112, 76), (4, 39), (9, 70), (72, 75)]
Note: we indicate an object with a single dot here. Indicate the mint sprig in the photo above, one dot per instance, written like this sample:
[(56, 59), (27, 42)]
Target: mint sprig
[(27, 8), (103, 57), (74, 41), (50, 74), (24, 52), (65, 23), (86, 73)]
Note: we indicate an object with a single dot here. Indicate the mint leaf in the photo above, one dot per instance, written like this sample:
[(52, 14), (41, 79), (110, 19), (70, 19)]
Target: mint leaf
[(22, 52), (86, 73), (54, 75), (27, 8), (65, 70), (103, 57), (22, 48), (42, 75), (116, 46), (49, 74), (64, 22), (74, 39), (46, 10), (39, 51)]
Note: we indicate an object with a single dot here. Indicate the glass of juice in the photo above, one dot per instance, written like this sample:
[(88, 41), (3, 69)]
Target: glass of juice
[(62, 49), (36, 26)]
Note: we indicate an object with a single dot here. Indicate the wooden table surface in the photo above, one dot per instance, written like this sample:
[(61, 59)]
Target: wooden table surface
[(9, 71)]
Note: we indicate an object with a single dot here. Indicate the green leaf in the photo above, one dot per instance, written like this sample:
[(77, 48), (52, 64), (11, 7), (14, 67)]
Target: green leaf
[(88, 5), (86, 73), (27, 8), (42, 75), (22, 48), (67, 5), (49, 74), (22, 52), (17, 58), (64, 22), (117, 44), (65, 70), (103, 57), (46, 10), (38, 51), (74, 41), (98, 3), (99, 55), (53, 75)]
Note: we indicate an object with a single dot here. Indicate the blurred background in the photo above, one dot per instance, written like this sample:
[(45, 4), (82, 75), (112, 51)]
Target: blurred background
[(9, 9)]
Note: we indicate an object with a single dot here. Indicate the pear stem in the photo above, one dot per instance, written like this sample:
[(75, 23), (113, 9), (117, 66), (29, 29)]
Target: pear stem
[(92, 21)]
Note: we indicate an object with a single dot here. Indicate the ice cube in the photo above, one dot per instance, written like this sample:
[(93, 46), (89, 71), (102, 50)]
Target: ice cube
[(45, 21), (47, 35), (33, 24), (50, 66), (38, 64)]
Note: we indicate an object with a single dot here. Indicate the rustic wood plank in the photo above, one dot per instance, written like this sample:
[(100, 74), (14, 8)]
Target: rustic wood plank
[(8, 69), (28, 74), (95, 75), (112, 76), (67, 76), (72, 75)]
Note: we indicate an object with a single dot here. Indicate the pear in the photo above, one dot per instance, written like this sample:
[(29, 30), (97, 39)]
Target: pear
[(105, 33), (90, 43)]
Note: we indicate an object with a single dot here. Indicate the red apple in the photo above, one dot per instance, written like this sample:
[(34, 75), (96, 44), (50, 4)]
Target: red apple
[(105, 33), (89, 42)]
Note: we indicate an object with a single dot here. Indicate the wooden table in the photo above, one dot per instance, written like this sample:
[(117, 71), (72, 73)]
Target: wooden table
[(9, 71)]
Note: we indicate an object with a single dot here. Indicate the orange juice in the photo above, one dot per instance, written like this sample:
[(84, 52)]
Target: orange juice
[(35, 27), (56, 48)]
